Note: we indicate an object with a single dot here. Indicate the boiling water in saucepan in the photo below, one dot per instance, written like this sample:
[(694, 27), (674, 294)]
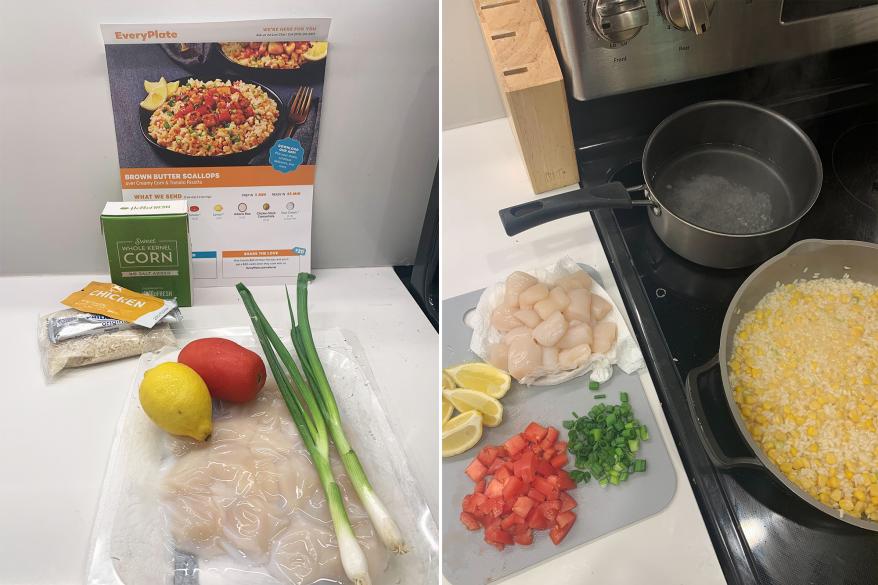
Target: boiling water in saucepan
[(724, 188)]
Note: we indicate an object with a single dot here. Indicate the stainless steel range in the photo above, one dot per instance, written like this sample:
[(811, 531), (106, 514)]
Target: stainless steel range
[(612, 46), (631, 63)]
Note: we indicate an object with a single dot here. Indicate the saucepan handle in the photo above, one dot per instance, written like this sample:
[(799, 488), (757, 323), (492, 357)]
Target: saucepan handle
[(708, 439), (533, 213)]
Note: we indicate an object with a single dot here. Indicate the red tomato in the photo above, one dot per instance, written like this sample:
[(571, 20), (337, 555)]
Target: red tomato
[(469, 521), (523, 506), (494, 489), (535, 432), (513, 487), (523, 468), (557, 533), (515, 444), (476, 470), (545, 487), (565, 518), (525, 538), (488, 455), (550, 509), (567, 503), (559, 460), (231, 372), (536, 496)]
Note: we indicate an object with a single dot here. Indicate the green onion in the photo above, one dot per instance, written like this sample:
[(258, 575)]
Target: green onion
[(623, 396), (604, 442), (600, 396), (594, 385), (311, 425), (307, 352)]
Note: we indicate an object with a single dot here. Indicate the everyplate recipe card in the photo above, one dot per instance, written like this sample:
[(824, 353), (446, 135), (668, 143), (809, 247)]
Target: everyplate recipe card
[(224, 115)]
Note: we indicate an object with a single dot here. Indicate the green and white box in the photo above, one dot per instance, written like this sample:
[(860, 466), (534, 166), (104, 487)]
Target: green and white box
[(148, 247)]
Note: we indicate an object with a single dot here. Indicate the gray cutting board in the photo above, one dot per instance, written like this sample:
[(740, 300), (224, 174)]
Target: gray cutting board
[(467, 559)]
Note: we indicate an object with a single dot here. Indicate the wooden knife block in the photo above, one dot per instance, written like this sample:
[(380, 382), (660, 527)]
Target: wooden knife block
[(532, 87)]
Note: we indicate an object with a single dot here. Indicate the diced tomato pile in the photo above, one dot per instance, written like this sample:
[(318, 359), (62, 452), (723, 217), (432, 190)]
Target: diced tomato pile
[(214, 106), (521, 487)]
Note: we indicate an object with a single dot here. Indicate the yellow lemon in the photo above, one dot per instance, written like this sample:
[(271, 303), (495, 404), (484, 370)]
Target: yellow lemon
[(153, 86), (447, 411), (482, 377), (465, 400), (172, 87), (152, 102), (176, 399), (317, 51), (461, 433), (447, 381)]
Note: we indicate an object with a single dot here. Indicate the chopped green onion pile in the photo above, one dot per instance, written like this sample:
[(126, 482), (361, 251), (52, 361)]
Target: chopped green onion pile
[(604, 443)]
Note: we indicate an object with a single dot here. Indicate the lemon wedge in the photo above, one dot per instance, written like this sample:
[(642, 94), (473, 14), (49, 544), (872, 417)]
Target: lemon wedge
[(152, 102), (153, 86), (447, 410), (466, 400), (172, 87), (461, 433), (482, 377), (317, 51), (447, 381)]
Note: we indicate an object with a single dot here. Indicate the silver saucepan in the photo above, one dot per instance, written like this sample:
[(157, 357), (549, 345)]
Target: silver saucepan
[(726, 182)]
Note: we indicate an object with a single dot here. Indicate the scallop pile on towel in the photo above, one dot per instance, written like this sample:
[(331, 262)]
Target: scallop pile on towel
[(550, 328)]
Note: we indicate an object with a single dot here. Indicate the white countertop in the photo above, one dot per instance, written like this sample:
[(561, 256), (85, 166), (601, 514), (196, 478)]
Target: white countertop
[(483, 173), (55, 438)]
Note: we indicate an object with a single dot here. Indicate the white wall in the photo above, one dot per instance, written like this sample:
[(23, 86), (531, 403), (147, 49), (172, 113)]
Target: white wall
[(469, 90), (378, 145)]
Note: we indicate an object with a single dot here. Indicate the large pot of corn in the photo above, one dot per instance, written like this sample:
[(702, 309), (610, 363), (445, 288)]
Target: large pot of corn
[(791, 433)]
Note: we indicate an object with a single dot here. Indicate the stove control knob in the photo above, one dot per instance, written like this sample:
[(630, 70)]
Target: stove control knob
[(618, 20), (691, 15)]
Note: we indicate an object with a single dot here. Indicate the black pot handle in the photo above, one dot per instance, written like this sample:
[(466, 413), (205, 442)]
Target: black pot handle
[(533, 213), (708, 439)]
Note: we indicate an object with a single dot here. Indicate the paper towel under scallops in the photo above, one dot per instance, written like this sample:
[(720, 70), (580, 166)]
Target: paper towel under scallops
[(552, 325)]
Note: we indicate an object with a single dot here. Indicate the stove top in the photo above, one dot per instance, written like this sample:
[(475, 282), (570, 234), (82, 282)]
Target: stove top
[(763, 534)]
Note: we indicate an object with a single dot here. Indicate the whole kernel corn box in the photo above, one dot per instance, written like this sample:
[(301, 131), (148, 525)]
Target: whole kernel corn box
[(148, 247)]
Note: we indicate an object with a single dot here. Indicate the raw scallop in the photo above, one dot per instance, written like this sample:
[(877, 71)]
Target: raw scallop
[(250, 496), (574, 357), (518, 282), (545, 307), (579, 308), (524, 357), (550, 331), (560, 297), (498, 355), (550, 358), (599, 308), (532, 295), (604, 337), (528, 316), (578, 334), (503, 319), (516, 333), (576, 280)]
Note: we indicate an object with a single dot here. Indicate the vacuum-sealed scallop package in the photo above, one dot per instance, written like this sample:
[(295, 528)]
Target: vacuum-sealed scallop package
[(550, 325), (246, 506)]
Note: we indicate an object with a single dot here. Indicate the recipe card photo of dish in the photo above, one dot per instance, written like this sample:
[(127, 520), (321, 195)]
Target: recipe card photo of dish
[(215, 104)]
